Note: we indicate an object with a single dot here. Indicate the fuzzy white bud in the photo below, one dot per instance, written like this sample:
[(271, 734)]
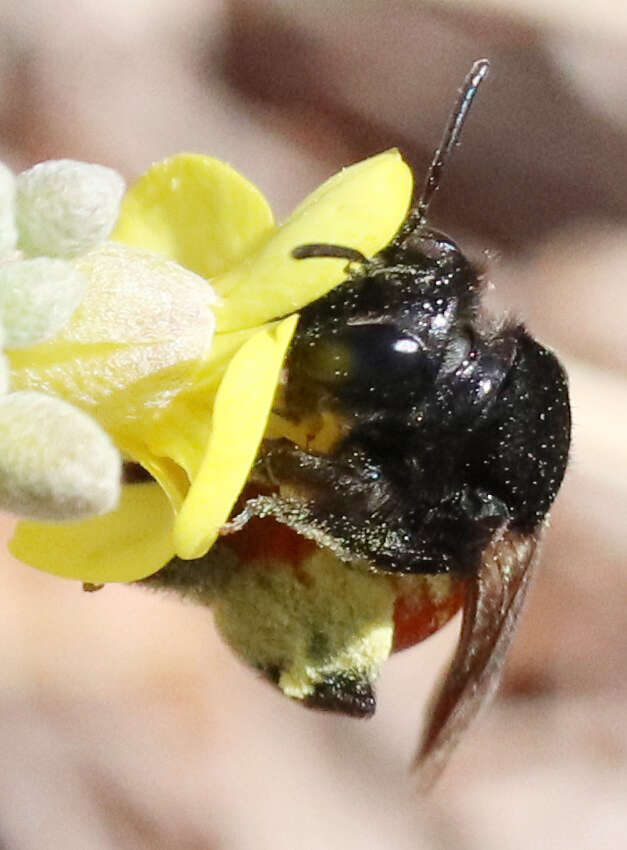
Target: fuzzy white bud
[(65, 207), (56, 463), (37, 298)]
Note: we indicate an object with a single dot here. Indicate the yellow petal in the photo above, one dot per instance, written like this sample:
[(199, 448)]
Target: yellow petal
[(195, 210), (240, 414), (171, 445), (362, 207), (183, 429), (167, 472), (128, 544)]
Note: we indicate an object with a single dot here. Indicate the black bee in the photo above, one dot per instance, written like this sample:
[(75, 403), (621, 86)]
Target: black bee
[(455, 440)]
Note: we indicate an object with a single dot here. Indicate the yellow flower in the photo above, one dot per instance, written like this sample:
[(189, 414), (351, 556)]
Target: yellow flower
[(141, 357)]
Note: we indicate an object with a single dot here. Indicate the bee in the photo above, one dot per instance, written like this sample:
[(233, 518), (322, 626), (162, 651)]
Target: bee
[(451, 441), (456, 438)]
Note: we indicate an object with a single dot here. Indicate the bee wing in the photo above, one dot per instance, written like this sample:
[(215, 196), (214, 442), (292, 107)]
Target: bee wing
[(494, 600)]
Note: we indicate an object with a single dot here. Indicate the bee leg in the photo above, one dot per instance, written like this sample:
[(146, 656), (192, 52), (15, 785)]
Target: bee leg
[(283, 462), (302, 517), (314, 491), (326, 480)]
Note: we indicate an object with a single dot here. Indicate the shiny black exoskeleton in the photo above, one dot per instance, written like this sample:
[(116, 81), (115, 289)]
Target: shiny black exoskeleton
[(457, 426)]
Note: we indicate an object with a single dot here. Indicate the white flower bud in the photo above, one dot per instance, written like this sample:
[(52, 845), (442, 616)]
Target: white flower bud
[(8, 230), (64, 207), (37, 298), (56, 463)]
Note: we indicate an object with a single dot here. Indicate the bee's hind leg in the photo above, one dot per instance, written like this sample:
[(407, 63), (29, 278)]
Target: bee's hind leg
[(300, 516)]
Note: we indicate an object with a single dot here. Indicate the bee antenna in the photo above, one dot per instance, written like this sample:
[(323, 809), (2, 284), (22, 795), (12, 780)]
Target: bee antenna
[(322, 249), (418, 215)]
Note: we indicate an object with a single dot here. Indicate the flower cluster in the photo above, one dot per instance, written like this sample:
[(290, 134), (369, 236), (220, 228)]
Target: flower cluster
[(141, 357)]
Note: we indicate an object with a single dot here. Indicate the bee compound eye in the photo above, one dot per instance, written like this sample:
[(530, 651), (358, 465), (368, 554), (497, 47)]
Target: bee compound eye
[(368, 359)]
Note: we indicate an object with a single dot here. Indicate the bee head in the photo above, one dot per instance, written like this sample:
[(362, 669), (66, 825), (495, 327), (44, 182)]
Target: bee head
[(382, 338)]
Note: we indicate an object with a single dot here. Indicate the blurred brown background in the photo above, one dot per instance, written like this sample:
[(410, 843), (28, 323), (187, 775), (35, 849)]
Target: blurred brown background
[(124, 722)]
